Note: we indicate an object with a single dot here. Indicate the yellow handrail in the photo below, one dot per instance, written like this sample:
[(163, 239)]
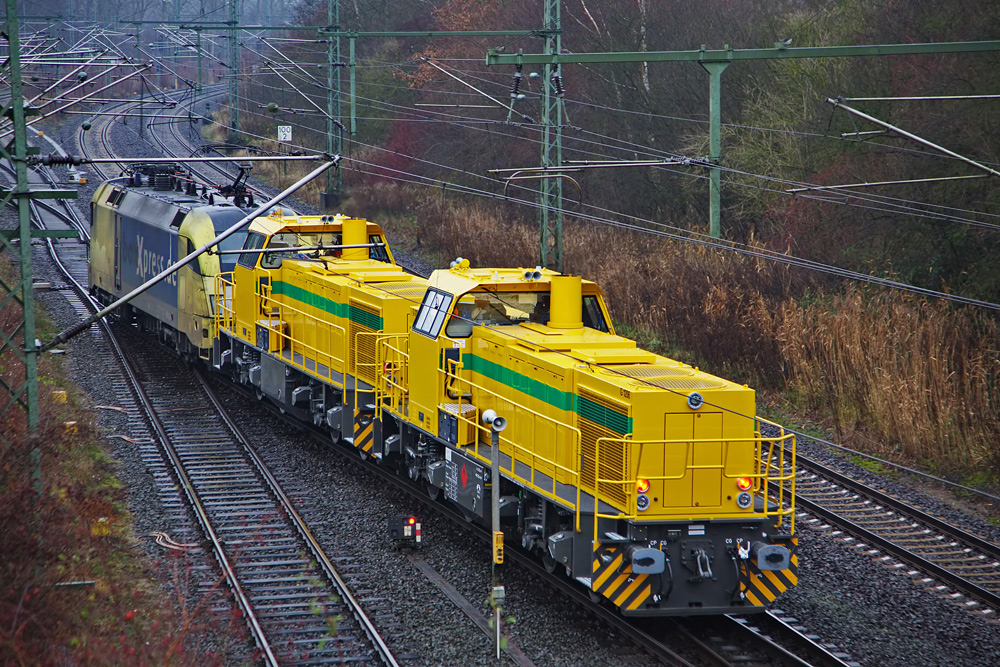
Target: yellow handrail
[(774, 462), (516, 450)]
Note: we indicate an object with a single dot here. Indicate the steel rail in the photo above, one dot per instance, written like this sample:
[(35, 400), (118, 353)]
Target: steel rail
[(946, 575), (942, 573), (385, 653), (187, 486), (970, 539), (201, 513)]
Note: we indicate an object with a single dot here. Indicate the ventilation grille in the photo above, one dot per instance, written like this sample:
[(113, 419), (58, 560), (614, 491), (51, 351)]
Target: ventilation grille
[(686, 383), (652, 371), (407, 290), (676, 379), (602, 418), (364, 319)]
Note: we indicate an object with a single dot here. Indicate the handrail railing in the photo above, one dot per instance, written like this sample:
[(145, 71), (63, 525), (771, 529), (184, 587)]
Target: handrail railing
[(395, 363), (226, 320), (517, 451)]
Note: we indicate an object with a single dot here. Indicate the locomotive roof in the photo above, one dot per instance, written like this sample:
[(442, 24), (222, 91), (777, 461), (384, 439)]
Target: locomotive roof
[(460, 279), (172, 197), (276, 221)]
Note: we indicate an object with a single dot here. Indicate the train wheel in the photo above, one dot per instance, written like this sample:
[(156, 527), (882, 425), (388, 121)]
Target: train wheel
[(259, 393), (433, 492), (549, 563), (335, 436)]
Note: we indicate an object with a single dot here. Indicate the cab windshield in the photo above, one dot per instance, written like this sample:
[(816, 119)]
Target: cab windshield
[(494, 308), (317, 245)]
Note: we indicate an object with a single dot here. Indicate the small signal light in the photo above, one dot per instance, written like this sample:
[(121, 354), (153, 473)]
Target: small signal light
[(743, 483), (642, 485), (411, 520)]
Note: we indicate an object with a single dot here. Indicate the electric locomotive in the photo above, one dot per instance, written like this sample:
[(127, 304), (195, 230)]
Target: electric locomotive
[(145, 221)]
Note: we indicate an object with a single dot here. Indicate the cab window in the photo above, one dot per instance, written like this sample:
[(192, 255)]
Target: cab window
[(461, 322), (434, 308), (196, 264), (254, 241), (377, 251), (593, 317)]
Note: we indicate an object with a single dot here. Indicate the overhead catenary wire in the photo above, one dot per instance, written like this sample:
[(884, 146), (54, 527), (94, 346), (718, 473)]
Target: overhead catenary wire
[(890, 206)]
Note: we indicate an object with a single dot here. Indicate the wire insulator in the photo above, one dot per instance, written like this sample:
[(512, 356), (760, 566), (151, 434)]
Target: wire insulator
[(516, 87), (557, 82), (56, 159)]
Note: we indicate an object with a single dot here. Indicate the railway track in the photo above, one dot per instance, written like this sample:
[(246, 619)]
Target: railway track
[(297, 605), (944, 558)]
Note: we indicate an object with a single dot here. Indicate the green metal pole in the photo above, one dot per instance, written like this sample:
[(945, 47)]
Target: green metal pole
[(338, 109), (331, 198), (234, 74), (198, 33), (354, 113), (715, 146), (19, 160)]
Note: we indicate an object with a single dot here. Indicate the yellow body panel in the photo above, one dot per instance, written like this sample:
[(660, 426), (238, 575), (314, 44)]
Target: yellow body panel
[(578, 394)]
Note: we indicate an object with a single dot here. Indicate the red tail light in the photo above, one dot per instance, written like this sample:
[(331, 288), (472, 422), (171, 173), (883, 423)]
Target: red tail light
[(642, 485), (743, 483)]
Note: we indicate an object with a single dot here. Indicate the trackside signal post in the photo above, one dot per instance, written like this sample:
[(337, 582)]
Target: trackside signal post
[(715, 62), (496, 424)]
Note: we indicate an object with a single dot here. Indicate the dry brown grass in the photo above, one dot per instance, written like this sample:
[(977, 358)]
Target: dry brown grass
[(893, 374), (900, 374)]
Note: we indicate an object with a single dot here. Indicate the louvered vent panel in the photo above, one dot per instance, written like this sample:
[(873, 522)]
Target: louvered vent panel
[(602, 418), (364, 319), (407, 290)]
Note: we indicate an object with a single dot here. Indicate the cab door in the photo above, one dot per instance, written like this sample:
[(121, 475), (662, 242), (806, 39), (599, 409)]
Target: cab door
[(246, 289)]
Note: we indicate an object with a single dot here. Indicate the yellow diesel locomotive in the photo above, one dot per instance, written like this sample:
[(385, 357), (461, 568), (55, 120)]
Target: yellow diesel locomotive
[(644, 479)]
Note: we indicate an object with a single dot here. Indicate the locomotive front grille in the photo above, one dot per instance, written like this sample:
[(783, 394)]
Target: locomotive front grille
[(602, 418)]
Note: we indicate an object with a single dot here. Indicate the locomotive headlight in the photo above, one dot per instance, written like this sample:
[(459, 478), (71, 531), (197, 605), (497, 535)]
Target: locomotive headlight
[(744, 483), (642, 502), (642, 485), (744, 500)]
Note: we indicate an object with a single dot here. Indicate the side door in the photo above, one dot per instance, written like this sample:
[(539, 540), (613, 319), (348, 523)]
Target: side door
[(118, 251)]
